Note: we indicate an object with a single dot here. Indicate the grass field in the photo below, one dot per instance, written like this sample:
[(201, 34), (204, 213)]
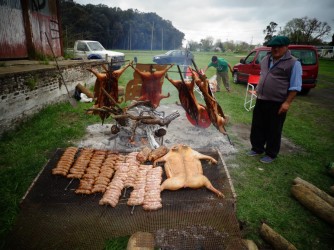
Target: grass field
[(263, 191)]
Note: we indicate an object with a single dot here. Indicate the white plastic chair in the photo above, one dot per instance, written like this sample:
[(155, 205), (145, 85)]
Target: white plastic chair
[(251, 96)]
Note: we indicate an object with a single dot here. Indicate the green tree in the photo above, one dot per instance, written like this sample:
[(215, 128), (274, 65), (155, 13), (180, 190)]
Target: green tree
[(269, 31), (229, 45), (193, 45), (207, 43), (117, 29), (219, 44), (306, 31)]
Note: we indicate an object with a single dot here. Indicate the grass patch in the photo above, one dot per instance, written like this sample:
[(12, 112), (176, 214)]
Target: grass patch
[(263, 190)]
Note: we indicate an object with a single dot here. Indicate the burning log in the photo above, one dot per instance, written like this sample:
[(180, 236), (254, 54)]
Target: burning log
[(148, 119), (152, 122)]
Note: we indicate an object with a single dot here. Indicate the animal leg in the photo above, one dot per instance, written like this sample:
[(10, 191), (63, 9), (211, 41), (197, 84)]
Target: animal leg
[(198, 181), (173, 183)]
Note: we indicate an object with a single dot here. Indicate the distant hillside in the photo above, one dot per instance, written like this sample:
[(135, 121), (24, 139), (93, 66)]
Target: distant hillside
[(116, 28)]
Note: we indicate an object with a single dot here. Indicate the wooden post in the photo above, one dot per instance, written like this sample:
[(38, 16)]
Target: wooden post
[(85, 91)]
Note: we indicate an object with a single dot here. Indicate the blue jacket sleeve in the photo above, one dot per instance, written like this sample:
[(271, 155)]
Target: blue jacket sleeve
[(296, 77)]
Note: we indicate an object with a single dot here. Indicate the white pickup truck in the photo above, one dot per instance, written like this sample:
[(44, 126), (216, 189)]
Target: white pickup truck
[(87, 49)]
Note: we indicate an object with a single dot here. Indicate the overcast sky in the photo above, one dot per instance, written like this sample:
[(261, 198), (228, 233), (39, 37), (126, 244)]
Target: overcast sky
[(237, 20)]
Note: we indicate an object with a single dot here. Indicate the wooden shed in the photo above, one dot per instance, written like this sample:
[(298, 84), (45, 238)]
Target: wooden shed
[(25, 26)]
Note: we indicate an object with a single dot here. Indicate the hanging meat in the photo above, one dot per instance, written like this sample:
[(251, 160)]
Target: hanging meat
[(151, 88), (197, 113), (184, 169), (109, 82), (216, 113)]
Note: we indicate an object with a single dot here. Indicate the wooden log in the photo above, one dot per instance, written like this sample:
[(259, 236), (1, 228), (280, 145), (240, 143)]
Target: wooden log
[(85, 91), (313, 202), (250, 244), (323, 195), (331, 189), (275, 239), (330, 168), (141, 241)]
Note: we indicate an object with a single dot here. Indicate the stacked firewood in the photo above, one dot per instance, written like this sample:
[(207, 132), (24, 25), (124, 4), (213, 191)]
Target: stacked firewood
[(316, 200)]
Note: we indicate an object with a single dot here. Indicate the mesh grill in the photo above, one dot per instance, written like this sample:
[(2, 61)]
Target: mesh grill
[(52, 216)]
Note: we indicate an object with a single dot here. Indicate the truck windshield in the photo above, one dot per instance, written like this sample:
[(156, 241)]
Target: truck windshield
[(306, 57), (95, 46)]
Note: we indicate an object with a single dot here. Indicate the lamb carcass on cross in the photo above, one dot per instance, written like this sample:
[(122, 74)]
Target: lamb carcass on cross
[(151, 89), (108, 81)]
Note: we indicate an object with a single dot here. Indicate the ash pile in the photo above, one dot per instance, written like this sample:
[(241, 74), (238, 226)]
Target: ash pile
[(179, 130)]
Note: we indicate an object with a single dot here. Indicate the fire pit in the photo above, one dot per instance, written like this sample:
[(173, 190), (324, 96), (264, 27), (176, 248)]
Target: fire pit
[(179, 130)]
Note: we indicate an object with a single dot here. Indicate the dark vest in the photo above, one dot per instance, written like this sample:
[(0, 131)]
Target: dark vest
[(274, 83)]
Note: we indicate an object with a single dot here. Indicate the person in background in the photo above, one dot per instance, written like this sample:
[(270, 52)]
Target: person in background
[(280, 80), (222, 67)]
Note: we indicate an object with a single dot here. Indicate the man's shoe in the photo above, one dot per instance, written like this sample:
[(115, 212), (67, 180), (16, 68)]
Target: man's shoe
[(267, 159), (252, 153)]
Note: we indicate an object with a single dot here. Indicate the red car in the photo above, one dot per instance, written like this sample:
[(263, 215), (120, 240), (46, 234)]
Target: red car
[(306, 54)]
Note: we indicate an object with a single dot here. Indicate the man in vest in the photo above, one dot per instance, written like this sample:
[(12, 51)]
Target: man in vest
[(280, 80)]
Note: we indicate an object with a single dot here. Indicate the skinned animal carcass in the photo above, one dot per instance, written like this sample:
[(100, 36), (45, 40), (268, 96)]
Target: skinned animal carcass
[(108, 81), (216, 113), (151, 88), (197, 112), (184, 169)]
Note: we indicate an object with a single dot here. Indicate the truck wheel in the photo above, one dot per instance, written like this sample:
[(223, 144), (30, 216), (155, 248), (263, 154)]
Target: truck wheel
[(235, 77)]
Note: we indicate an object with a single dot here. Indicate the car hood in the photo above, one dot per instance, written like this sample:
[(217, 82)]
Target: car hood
[(162, 55), (108, 52)]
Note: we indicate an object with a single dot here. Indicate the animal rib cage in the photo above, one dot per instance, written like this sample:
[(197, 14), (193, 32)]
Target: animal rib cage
[(52, 216)]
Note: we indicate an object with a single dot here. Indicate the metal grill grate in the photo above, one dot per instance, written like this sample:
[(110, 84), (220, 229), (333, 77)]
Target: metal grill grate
[(54, 217)]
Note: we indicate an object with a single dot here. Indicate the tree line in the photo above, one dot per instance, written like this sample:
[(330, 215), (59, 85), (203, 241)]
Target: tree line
[(303, 30), (117, 29), (134, 30), (309, 31)]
